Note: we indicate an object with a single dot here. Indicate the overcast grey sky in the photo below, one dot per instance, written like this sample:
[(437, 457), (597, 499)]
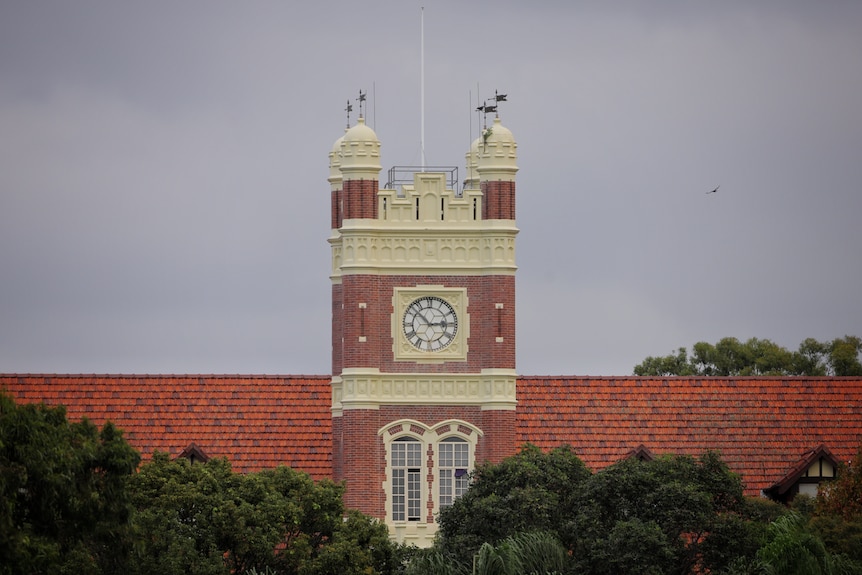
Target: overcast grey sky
[(164, 205)]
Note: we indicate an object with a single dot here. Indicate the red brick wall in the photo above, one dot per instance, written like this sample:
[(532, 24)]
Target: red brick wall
[(498, 202), (365, 450), (359, 199), (337, 450), (335, 209), (337, 329), (374, 322)]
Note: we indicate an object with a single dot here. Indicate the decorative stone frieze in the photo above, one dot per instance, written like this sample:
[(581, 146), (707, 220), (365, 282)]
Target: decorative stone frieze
[(369, 389)]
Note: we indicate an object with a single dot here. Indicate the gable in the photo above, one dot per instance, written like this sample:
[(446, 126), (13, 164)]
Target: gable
[(762, 427), (257, 422)]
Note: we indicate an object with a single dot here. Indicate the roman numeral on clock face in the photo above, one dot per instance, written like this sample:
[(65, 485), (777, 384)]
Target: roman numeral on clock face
[(430, 323)]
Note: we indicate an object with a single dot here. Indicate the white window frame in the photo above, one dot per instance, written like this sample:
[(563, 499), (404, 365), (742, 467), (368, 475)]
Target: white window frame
[(406, 524), (406, 483), (454, 464)]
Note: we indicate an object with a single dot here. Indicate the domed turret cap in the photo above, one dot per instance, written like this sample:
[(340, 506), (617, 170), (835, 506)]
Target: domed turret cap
[(472, 178), (360, 153), (335, 163), (497, 153)]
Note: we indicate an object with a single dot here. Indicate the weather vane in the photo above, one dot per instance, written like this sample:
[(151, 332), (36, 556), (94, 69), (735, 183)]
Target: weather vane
[(361, 100), (348, 109), (487, 108)]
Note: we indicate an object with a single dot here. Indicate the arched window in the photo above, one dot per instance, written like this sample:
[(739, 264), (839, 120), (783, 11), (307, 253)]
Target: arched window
[(453, 464), (406, 479)]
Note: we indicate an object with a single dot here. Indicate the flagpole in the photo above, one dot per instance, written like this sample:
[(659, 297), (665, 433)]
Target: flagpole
[(422, 85)]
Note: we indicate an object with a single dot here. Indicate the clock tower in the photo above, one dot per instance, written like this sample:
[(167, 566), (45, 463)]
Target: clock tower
[(423, 326)]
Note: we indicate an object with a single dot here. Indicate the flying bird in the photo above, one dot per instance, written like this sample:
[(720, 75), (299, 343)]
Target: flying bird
[(713, 191)]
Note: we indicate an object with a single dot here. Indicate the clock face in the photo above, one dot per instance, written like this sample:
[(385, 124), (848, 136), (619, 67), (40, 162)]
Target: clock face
[(430, 323)]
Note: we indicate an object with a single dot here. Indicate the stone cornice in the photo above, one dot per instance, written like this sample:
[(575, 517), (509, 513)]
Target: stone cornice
[(450, 251), (356, 388)]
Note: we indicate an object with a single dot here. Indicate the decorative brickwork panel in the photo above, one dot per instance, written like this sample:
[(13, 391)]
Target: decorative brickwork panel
[(337, 329), (337, 450), (359, 199), (335, 209), (499, 200)]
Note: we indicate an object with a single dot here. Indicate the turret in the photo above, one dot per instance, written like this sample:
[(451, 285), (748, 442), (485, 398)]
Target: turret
[(360, 169), (496, 164)]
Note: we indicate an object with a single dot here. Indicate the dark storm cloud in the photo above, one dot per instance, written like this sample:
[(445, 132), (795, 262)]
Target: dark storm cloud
[(164, 200)]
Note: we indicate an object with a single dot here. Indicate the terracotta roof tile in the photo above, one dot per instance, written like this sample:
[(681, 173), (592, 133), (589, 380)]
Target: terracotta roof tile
[(256, 421), (761, 426)]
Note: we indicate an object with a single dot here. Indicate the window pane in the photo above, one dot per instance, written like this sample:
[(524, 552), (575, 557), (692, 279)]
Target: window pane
[(406, 462), (445, 487), (414, 454), (413, 495), (446, 455), (453, 462), (399, 451), (398, 494), (461, 455)]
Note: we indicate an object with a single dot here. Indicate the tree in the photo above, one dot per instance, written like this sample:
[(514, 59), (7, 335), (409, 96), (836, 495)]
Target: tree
[(360, 545), (672, 515), (529, 491), (205, 519), (793, 549), (675, 514), (64, 506), (843, 496), (837, 515), (538, 553), (668, 365), (730, 357), (844, 356)]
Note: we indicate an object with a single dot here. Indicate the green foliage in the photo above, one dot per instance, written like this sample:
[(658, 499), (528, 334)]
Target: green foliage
[(844, 356), (676, 513), (530, 491), (63, 501), (534, 553), (843, 496), (435, 561), (731, 357), (360, 545), (792, 549), (205, 519), (668, 365)]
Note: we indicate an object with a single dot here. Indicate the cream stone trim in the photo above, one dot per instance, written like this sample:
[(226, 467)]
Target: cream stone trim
[(411, 251), (426, 229), (416, 533), (337, 386), (367, 388), (402, 349), (428, 202)]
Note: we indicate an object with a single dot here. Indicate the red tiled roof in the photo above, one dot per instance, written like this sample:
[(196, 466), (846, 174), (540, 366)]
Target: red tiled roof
[(761, 426), (257, 422)]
